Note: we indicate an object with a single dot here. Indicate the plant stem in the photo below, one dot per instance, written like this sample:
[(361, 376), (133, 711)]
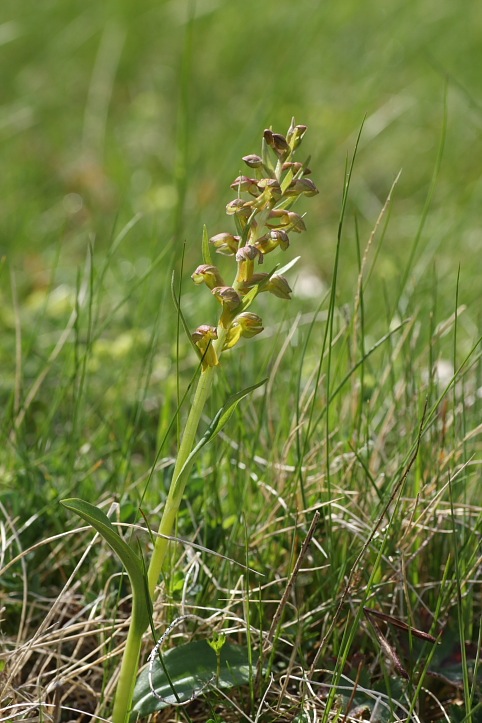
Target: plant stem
[(130, 660), (176, 489), (178, 482), (129, 667)]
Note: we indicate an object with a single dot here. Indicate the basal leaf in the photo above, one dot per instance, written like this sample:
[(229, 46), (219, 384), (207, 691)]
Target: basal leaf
[(190, 667), (132, 562)]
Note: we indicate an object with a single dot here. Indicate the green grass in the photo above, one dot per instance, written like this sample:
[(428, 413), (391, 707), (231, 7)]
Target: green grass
[(122, 126)]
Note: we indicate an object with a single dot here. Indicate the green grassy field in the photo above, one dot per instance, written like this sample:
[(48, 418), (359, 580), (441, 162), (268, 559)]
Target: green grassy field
[(122, 126)]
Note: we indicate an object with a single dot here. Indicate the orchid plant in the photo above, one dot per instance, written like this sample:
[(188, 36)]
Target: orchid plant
[(264, 221)]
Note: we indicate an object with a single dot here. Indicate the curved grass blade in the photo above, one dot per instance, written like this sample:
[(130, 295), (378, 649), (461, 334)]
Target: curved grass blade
[(183, 319)]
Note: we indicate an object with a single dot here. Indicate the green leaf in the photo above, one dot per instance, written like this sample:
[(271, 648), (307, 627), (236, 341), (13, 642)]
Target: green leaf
[(289, 265), (205, 247), (190, 667), (97, 519), (252, 293), (223, 415), (219, 421)]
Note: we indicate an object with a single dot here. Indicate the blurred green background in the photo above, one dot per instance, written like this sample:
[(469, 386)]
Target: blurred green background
[(122, 125), (113, 108), (138, 114)]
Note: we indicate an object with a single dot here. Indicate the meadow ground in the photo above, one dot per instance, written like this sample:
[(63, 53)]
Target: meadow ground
[(122, 125)]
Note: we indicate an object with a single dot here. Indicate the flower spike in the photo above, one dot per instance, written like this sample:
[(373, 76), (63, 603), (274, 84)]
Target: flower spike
[(262, 212)]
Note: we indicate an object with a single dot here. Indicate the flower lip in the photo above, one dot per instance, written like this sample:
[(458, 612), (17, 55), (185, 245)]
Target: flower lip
[(205, 331), (202, 337)]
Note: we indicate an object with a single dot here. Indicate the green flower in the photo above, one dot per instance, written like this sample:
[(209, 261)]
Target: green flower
[(230, 299), (209, 275), (225, 243), (203, 338), (301, 185), (246, 184), (245, 325), (278, 286), (246, 257), (288, 220), (271, 240)]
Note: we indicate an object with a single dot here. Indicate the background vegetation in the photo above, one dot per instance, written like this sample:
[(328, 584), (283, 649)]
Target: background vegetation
[(122, 125)]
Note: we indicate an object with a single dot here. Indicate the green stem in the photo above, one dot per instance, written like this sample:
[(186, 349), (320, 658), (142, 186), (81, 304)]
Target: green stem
[(178, 484), (129, 667), (130, 660)]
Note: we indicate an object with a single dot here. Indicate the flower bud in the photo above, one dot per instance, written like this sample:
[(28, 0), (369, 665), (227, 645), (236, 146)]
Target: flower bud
[(296, 167), (277, 142), (225, 243), (203, 338), (279, 286), (207, 274), (295, 135), (301, 185), (253, 161), (251, 324)]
